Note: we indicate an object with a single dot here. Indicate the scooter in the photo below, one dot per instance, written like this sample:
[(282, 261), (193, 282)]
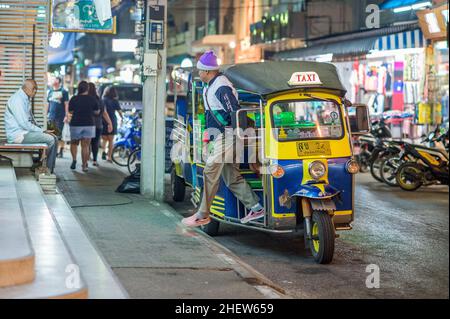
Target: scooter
[(429, 168), (129, 140)]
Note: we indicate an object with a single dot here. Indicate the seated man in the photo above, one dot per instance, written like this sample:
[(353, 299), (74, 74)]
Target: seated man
[(20, 125)]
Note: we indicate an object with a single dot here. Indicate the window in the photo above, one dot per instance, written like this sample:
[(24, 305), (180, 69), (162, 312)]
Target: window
[(298, 120)]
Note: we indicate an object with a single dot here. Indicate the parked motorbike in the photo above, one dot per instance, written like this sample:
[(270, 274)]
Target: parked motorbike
[(129, 139), (430, 166)]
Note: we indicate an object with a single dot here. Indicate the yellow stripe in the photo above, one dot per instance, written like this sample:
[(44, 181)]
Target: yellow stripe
[(343, 212), (220, 198), (287, 215), (218, 203), (217, 207), (215, 212)]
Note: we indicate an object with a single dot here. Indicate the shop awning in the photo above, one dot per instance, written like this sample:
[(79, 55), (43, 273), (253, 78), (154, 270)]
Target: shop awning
[(402, 40), (349, 47), (392, 4), (359, 43)]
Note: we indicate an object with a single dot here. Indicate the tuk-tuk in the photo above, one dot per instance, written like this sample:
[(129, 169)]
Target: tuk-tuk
[(304, 168)]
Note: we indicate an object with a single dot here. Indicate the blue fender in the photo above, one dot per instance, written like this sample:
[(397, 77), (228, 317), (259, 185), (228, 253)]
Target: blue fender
[(316, 191)]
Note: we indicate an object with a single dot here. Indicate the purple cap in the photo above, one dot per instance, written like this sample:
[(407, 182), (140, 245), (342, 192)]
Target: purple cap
[(208, 62)]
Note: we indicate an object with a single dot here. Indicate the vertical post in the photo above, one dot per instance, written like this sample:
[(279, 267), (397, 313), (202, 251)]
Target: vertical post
[(33, 62), (154, 100)]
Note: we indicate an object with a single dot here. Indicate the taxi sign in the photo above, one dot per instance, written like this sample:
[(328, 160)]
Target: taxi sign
[(304, 78)]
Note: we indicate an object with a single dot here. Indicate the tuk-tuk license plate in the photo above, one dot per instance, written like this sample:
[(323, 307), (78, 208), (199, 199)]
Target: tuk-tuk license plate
[(313, 148)]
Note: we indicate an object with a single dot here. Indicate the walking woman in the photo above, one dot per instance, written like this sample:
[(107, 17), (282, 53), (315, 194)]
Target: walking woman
[(82, 109), (98, 120), (112, 105)]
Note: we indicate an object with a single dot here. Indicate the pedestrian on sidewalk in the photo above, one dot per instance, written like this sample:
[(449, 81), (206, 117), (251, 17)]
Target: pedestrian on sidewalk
[(20, 125), (58, 110), (110, 99), (82, 109), (98, 119), (221, 99)]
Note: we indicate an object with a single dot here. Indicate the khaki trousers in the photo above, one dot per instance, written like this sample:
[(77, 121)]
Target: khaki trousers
[(221, 162)]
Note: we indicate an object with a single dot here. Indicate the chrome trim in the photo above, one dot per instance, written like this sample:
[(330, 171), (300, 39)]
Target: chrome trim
[(251, 227)]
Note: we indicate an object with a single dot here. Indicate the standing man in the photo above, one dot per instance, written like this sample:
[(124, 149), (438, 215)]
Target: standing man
[(220, 100), (20, 126), (58, 108)]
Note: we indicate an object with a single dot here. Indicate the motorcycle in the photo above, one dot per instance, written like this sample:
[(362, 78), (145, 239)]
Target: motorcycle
[(430, 167), (129, 139)]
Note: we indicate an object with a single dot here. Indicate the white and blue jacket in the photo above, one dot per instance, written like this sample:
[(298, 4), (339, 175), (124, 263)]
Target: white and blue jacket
[(220, 98)]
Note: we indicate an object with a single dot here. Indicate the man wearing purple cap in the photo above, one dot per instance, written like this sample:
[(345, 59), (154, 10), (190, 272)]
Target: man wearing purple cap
[(221, 99)]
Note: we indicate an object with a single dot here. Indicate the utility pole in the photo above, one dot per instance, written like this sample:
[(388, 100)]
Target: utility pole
[(154, 100)]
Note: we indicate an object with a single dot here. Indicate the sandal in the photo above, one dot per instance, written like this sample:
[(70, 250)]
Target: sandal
[(194, 221)]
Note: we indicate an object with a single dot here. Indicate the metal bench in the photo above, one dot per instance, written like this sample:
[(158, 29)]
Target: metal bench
[(9, 148)]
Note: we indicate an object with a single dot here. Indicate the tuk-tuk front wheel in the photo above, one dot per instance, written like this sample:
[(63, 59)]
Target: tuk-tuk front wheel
[(322, 237), (178, 186)]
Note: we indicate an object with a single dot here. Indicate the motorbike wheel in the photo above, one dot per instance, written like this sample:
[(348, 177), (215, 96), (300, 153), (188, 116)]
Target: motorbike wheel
[(388, 170), (375, 169), (120, 155), (409, 176), (134, 161), (212, 228), (363, 160), (322, 237), (178, 186)]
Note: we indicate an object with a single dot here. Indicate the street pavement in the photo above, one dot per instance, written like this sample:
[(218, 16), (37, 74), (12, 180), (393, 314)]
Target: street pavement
[(405, 234), (150, 251)]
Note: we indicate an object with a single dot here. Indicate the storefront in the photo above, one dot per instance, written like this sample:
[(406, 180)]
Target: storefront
[(386, 71)]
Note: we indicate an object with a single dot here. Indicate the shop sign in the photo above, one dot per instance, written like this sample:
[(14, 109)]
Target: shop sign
[(434, 22), (78, 16), (304, 78)]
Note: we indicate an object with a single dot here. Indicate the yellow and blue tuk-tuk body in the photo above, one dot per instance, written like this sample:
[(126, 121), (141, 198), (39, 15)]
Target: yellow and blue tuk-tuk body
[(304, 173)]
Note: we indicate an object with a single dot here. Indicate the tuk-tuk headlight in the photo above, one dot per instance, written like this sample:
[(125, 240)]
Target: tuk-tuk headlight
[(276, 170), (352, 166), (317, 169)]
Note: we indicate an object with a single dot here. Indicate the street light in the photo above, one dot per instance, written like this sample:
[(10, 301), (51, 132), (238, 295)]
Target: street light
[(187, 63)]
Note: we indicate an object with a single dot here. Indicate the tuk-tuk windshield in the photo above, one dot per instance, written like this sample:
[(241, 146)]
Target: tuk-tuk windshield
[(296, 120)]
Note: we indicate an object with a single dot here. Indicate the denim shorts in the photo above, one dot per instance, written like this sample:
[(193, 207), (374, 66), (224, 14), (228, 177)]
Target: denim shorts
[(79, 132)]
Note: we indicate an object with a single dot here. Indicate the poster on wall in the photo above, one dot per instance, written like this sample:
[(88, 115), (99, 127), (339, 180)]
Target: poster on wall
[(78, 16)]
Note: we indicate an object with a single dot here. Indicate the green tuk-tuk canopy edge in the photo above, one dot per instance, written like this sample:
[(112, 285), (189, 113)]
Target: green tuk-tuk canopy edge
[(270, 77)]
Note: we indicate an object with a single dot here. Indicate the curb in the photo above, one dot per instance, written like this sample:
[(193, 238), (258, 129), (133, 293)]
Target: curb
[(243, 270)]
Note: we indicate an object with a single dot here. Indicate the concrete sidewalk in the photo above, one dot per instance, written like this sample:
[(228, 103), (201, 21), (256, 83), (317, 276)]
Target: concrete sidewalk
[(147, 247)]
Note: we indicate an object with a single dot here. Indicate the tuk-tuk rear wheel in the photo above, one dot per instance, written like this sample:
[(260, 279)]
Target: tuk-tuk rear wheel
[(212, 228), (322, 237), (178, 186)]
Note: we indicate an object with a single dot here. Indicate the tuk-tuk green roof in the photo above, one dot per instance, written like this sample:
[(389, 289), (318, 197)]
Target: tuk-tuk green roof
[(270, 77)]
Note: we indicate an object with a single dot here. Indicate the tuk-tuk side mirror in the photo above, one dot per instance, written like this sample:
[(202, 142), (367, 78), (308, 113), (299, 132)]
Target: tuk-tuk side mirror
[(359, 118)]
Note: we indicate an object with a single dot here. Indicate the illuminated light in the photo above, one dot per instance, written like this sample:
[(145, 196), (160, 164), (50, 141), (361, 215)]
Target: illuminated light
[(325, 57), (304, 78), (402, 9), (232, 45), (219, 61), (441, 45), (352, 166), (56, 39), (277, 171), (187, 63), (432, 22), (317, 169), (124, 45), (374, 54), (421, 5)]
